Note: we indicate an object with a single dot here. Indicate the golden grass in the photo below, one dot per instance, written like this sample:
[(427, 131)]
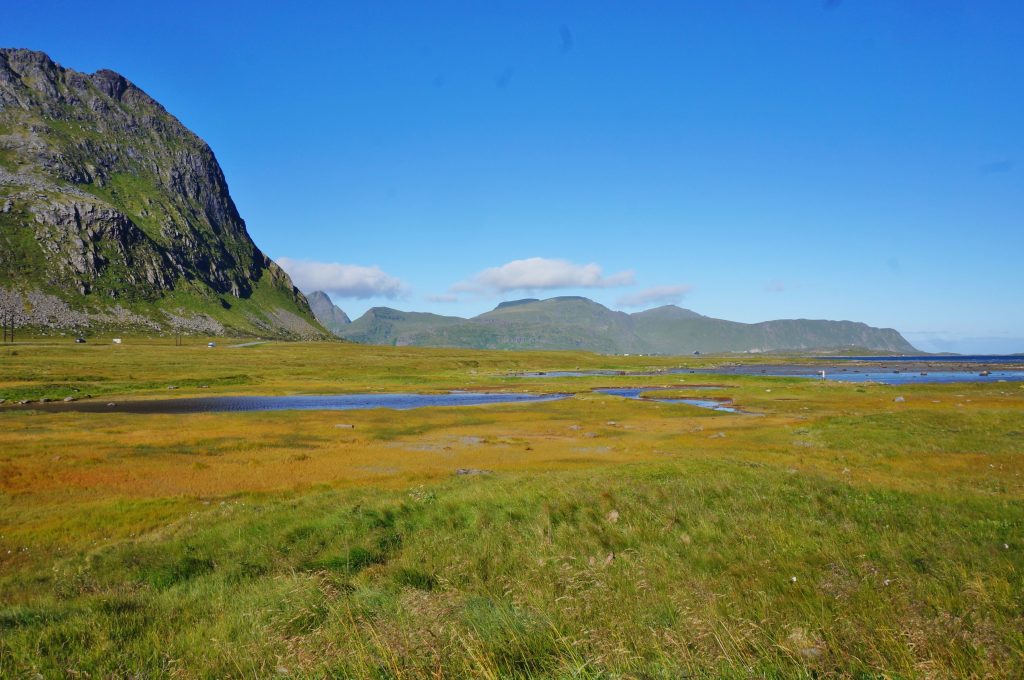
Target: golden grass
[(65, 458), (518, 571)]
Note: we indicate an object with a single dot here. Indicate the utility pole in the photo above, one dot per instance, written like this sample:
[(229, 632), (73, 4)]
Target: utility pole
[(9, 318)]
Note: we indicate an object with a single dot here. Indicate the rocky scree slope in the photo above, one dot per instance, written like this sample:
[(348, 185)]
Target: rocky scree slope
[(113, 214)]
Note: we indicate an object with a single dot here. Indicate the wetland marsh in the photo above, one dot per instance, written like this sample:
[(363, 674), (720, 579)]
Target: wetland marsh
[(849, 530)]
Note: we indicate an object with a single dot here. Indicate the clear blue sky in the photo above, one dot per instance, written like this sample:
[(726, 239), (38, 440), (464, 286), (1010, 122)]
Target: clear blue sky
[(752, 160)]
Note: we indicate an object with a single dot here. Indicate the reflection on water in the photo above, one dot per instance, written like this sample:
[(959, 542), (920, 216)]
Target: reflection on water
[(636, 392), (953, 359), (571, 374), (328, 402), (348, 402), (907, 377), (892, 377)]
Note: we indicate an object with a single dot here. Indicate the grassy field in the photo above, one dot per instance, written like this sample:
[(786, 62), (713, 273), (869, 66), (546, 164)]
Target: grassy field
[(827, 531)]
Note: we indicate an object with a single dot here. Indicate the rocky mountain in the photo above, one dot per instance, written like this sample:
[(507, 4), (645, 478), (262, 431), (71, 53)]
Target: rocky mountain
[(579, 323), (113, 214), (327, 313)]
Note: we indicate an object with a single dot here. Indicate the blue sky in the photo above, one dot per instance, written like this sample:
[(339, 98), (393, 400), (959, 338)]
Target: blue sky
[(749, 160)]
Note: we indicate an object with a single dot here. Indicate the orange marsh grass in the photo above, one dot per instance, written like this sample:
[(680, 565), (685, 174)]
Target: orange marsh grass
[(611, 538)]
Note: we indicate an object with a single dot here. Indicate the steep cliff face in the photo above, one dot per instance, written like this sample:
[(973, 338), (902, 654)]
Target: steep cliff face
[(108, 203), (327, 313)]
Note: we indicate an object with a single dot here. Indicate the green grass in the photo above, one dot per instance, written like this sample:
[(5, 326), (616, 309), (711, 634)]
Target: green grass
[(21, 258), (8, 158), (839, 534), (136, 195), (534, 581)]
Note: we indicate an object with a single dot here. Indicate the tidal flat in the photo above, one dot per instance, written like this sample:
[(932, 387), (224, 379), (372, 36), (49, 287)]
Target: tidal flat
[(849, 530)]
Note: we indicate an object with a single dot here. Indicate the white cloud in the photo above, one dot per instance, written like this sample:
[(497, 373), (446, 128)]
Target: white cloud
[(539, 273), (443, 297), (342, 280), (666, 295)]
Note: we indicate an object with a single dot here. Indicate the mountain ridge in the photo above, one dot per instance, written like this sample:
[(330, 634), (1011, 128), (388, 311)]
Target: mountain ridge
[(572, 322), (330, 316), (113, 213)]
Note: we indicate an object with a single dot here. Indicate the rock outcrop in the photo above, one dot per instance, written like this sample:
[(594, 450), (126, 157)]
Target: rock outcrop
[(327, 313), (108, 202)]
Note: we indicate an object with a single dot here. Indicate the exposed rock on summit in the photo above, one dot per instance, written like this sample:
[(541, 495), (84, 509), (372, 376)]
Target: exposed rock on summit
[(108, 202), (328, 313)]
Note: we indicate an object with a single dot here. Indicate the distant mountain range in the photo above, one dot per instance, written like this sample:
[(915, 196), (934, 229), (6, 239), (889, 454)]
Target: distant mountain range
[(114, 215), (582, 324)]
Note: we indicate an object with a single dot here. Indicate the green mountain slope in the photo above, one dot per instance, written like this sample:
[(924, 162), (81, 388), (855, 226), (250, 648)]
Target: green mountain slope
[(386, 326), (113, 214), (705, 334), (579, 323), (560, 323)]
